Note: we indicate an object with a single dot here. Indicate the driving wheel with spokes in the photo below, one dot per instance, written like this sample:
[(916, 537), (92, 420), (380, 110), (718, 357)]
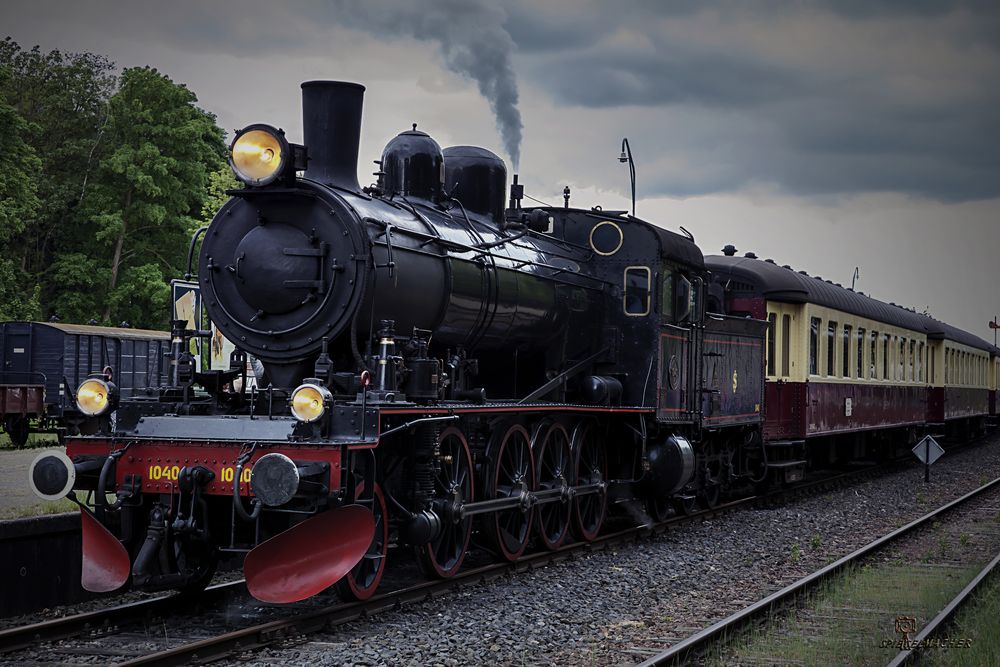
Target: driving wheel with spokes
[(509, 472), (443, 555), (590, 467), (553, 470), (361, 582)]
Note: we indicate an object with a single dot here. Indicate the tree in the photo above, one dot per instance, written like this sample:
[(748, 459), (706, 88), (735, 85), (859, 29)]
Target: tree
[(19, 167), (63, 100), (149, 187)]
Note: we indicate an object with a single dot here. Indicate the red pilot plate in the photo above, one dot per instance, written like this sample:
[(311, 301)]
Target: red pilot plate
[(106, 565), (309, 557)]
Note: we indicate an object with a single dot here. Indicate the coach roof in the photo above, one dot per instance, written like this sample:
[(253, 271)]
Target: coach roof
[(778, 283)]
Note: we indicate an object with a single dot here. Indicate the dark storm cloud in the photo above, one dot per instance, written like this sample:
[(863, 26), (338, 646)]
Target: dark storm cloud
[(813, 98), (855, 97), (672, 76)]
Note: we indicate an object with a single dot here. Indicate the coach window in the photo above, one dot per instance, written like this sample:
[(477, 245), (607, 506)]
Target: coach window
[(885, 356), (861, 353), (873, 360), (846, 361), (786, 342), (637, 298), (912, 361), (831, 348), (901, 360), (920, 362), (814, 346), (772, 329)]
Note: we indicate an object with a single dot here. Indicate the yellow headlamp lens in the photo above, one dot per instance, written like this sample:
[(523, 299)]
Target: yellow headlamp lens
[(93, 397), (257, 157), (309, 402)]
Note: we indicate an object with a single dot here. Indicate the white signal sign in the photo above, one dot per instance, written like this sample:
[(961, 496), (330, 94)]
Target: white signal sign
[(928, 450)]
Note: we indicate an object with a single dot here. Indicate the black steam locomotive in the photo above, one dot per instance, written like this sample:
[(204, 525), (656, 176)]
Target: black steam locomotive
[(438, 368)]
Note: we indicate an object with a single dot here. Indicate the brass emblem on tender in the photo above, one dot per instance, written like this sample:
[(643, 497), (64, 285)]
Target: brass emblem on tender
[(734, 380)]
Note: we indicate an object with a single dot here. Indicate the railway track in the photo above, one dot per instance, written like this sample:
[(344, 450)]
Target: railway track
[(720, 634), (292, 624)]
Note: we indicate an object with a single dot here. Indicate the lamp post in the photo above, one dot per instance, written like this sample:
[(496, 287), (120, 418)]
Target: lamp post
[(994, 325), (626, 156)]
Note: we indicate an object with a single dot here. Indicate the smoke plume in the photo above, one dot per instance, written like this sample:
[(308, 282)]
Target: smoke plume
[(473, 43)]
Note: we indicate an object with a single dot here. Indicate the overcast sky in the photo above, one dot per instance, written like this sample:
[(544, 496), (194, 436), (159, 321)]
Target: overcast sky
[(859, 133)]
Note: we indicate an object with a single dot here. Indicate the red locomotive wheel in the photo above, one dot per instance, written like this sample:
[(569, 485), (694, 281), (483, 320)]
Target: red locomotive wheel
[(443, 556), (553, 466), (511, 472), (590, 466), (361, 582)]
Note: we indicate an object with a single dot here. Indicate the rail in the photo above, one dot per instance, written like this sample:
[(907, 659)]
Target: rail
[(696, 644)]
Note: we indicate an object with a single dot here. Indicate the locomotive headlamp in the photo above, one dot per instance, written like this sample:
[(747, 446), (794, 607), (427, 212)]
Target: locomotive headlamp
[(259, 154), (94, 396), (309, 402)]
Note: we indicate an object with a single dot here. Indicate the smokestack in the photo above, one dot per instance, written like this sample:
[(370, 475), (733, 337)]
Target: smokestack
[(331, 128)]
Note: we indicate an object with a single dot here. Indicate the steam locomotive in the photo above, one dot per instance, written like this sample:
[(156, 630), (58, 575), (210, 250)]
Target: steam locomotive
[(440, 368)]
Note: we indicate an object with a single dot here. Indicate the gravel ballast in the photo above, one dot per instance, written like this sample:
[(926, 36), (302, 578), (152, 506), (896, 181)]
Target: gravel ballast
[(613, 607), (617, 606)]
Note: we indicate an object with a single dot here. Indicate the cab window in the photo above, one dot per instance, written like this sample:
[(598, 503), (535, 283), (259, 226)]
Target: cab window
[(637, 293), (667, 296), (684, 298)]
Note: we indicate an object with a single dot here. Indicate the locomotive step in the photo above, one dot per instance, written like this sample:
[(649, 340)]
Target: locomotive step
[(785, 465)]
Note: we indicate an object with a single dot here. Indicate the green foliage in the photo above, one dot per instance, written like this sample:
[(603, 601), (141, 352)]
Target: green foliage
[(103, 179), (796, 554), (83, 280), (19, 203), (150, 186), (141, 290), (219, 181), (61, 98)]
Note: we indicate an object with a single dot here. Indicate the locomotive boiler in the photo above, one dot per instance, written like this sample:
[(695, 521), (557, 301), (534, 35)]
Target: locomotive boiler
[(440, 369)]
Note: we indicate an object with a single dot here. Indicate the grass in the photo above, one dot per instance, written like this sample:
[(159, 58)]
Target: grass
[(34, 440), (850, 620), (38, 509), (978, 625)]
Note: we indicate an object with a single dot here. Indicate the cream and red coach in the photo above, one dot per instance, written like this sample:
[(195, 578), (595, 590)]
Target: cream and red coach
[(850, 377)]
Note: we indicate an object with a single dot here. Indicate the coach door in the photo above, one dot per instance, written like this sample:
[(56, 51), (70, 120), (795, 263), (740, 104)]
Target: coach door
[(676, 345)]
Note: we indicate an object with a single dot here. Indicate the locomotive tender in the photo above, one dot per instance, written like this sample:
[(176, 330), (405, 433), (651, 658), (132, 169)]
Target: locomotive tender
[(433, 362)]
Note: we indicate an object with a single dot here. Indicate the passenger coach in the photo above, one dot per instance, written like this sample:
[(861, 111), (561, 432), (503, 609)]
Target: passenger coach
[(849, 374)]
